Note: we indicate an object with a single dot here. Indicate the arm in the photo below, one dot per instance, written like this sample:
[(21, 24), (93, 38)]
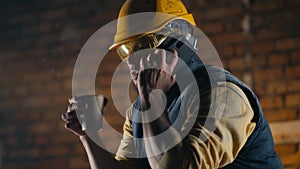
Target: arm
[(154, 118), (98, 157), (206, 147)]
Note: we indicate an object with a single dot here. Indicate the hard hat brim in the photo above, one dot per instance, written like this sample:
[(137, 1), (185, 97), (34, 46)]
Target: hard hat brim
[(137, 25)]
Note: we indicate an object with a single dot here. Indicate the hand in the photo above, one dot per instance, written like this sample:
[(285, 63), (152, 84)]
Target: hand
[(156, 73), (70, 117)]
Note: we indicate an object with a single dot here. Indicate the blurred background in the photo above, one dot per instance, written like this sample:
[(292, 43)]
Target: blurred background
[(258, 41)]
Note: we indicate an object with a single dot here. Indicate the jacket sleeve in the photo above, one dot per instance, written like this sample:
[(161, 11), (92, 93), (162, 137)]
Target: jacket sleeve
[(223, 125)]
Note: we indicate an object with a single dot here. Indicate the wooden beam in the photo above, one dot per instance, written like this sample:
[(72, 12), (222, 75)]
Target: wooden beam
[(286, 132)]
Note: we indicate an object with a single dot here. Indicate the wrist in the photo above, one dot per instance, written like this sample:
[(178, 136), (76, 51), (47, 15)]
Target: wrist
[(84, 138), (145, 103), (92, 138)]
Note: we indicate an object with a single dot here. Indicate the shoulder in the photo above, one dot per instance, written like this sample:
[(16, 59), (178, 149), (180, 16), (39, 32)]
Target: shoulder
[(233, 93), (230, 99)]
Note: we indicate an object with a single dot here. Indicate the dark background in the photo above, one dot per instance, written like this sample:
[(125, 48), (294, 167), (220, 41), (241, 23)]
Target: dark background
[(40, 42)]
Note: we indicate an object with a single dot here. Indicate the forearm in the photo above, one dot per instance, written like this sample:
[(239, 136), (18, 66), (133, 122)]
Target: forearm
[(155, 119), (159, 136), (98, 157), (158, 131)]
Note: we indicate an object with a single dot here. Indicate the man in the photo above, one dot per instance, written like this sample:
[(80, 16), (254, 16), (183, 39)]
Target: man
[(187, 114)]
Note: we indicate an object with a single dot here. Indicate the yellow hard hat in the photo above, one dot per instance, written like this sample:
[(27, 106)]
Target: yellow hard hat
[(154, 15)]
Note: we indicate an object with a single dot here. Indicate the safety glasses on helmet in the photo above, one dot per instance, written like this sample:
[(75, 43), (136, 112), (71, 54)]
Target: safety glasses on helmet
[(144, 42)]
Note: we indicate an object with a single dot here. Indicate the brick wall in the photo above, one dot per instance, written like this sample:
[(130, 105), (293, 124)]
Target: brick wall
[(258, 41)]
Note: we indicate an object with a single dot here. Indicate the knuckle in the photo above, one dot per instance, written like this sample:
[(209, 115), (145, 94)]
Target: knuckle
[(71, 99), (64, 116), (67, 125), (72, 106)]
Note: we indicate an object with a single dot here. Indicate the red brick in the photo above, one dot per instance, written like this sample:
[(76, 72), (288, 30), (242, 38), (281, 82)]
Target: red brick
[(78, 150), (285, 149), (40, 128), (78, 162), (43, 27), (291, 159), (64, 137), (259, 61), (278, 87), (293, 3), (221, 13), (239, 49), (225, 64), (292, 15), (10, 103), (47, 38), (260, 89), (292, 71), (194, 3), (54, 114), (55, 151), (281, 114), (293, 100), (20, 90), (54, 14), (266, 33), (295, 57), (293, 86), (28, 117), (275, 17), (278, 59), (41, 140), (36, 102), (19, 19), (53, 88), (230, 38), (67, 83), (226, 52), (262, 47), (264, 7), (257, 21), (24, 152), (6, 92), (271, 102), (287, 44), (264, 75), (50, 163), (211, 28), (237, 63), (10, 141)]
